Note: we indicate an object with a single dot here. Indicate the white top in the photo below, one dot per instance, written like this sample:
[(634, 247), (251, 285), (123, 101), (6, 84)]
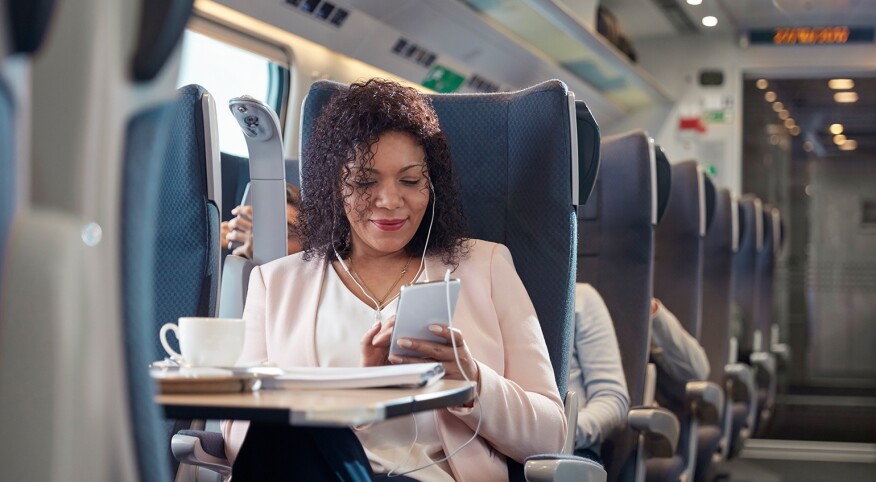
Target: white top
[(595, 370), (675, 350), (341, 320)]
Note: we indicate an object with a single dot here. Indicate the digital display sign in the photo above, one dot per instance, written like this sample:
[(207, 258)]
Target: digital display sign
[(832, 35)]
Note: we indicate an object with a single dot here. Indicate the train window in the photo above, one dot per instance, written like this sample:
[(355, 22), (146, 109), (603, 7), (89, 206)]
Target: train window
[(228, 71)]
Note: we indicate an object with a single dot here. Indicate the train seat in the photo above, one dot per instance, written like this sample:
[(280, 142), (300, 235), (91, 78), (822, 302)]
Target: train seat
[(507, 150), (78, 312), (179, 223), (762, 357), (26, 23), (746, 294), (7, 165), (678, 273), (615, 256), (720, 246)]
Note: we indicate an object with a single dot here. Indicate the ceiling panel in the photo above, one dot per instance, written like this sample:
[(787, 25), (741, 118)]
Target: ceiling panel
[(640, 18), (776, 13)]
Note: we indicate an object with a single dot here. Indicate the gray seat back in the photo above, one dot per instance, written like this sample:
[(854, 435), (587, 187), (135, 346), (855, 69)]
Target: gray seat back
[(718, 274), (678, 253), (747, 281), (615, 255), (678, 273), (766, 263), (25, 23), (82, 308)]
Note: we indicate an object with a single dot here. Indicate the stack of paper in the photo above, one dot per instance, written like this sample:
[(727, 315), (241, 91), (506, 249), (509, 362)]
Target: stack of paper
[(413, 375)]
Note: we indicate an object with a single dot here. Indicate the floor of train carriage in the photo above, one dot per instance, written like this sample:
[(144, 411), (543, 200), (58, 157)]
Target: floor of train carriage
[(745, 469)]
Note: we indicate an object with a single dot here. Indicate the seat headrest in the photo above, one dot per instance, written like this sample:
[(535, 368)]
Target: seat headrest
[(29, 20), (664, 182), (162, 23), (711, 201), (589, 145)]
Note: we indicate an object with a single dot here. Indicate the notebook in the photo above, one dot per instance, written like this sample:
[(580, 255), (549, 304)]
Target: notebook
[(413, 375)]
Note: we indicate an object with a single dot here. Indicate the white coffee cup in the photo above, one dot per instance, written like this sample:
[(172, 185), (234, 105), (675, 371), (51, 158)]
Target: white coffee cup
[(215, 342)]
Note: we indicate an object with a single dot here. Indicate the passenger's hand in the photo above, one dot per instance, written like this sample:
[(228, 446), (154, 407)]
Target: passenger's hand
[(375, 344), (224, 231), (241, 231), (443, 354)]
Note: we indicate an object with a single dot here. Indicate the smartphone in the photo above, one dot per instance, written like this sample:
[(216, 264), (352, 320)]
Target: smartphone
[(244, 200), (421, 305)]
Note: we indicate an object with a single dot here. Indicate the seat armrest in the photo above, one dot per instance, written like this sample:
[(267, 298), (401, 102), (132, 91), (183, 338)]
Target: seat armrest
[(570, 405), (660, 427), (782, 352), (741, 378), (706, 400), (188, 446), (764, 364), (562, 468)]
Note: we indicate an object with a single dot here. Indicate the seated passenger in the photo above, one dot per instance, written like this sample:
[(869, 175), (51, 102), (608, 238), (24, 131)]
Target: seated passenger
[(675, 350), (383, 210), (239, 229), (596, 373)]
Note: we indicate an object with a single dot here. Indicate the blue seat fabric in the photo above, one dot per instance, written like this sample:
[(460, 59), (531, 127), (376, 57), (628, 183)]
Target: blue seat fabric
[(7, 167), (186, 270), (143, 167), (525, 137), (170, 238)]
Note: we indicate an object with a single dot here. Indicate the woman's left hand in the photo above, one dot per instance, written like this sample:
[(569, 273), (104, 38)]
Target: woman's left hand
[(441, 353)]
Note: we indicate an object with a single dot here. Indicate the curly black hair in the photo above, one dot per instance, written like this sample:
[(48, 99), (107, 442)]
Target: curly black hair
[(343, 136)]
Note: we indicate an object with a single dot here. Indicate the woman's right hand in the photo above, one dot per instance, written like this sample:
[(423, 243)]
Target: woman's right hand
[(240, 231), (375, 344)]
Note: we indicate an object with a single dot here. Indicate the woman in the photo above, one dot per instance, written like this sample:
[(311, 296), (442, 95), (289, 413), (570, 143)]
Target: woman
[(380, 210)]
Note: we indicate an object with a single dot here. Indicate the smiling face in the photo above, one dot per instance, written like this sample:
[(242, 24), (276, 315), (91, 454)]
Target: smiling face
[(386, 202)]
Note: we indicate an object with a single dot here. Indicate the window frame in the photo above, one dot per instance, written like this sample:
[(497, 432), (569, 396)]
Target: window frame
[(280, 75)]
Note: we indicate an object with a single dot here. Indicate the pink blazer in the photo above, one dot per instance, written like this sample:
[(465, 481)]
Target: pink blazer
[(523, 411)]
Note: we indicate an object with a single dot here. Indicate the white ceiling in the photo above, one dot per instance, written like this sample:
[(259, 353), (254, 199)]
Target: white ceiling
[(643, 18), (773, 13)]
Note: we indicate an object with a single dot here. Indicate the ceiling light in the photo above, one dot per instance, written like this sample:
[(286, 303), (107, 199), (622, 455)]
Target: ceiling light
[(762, 84), (778, 106), (770, 96), (836, 129), (845, 97), (710, 21), (789, 122), (694, 2), (841, 84), (839, 139), (849, 145), (783, 114), (795, 130)]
